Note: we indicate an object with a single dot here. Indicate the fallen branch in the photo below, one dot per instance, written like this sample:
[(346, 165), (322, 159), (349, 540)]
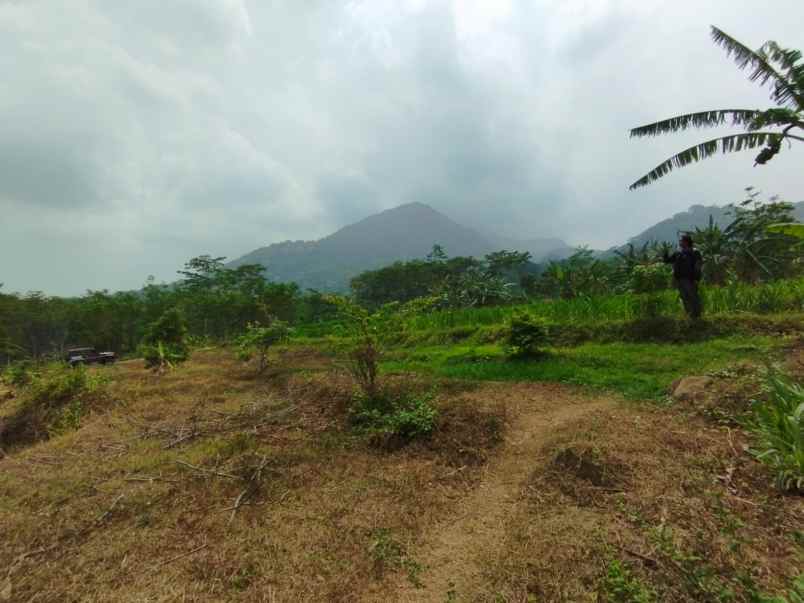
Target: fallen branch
[(172, 559), (109, 510), (208, 471), (648, 561), (237, 504), (184, 438), (149, 478)]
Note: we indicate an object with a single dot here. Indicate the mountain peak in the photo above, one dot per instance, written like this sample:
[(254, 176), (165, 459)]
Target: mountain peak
[(404, 232)]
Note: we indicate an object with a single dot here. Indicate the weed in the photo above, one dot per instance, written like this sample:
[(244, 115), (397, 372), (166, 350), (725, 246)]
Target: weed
[(621, 586), (389, 554), (403, 415), (18, 373), (53, 402), (778, 425)]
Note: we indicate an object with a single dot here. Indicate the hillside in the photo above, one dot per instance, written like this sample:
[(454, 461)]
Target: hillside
[(405, 232), (695, 216)]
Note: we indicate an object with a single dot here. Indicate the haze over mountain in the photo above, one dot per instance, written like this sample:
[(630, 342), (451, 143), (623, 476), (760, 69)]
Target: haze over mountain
[(695, 216), (410, 231), (405, 232)]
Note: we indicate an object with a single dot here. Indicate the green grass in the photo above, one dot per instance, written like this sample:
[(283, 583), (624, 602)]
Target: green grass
[(636, 370), (768, 298)]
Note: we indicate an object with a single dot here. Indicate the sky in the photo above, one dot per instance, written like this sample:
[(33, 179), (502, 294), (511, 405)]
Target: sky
[(136, 135)]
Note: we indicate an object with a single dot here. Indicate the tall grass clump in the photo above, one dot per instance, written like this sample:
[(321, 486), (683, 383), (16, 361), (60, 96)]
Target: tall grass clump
[(765, 298), (54, 401), (778, 426)]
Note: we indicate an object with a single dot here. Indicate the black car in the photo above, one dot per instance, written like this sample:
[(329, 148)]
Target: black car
[(88, 356)]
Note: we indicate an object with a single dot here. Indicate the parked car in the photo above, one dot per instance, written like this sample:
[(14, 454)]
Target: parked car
[(88, 356)]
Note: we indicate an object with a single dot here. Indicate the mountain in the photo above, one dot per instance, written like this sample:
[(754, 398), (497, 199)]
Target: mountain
[(402, 233), (695, 216)]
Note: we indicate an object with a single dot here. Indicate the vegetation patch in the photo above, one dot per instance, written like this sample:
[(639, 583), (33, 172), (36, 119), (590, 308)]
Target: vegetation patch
[(635, 370), (54, 400)]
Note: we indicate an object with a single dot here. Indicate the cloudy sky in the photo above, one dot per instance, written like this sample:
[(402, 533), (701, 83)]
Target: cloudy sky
[(135, 135)]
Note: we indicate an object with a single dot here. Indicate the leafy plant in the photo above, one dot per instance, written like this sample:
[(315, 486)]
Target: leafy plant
[(778, 425), (164, 344), (404, 415), (782, 68), (621, 586), (18, 373), (525, 335), (649, 278), (366, 330), (258, 339)]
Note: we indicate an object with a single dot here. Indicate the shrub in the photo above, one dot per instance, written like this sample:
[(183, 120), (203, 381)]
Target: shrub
[(59, 384), (621, 586), (406, 415), (258, 339), (19, 373), (164, 344), (525, 335), (778, 425), (367, 330), (55, 400), (649, 278)]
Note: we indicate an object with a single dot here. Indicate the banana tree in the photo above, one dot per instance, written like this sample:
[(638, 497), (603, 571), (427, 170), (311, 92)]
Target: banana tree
[(783, 69)]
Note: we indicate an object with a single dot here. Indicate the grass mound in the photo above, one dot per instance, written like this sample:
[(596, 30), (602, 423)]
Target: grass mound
[(55, 399)]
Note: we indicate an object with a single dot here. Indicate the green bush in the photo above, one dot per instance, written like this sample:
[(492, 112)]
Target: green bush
[(649, 278), (18, 373), (258, 339), (406, 415), (621, 586), (54, 401), (59, 384), (778, 425), (164, 344), (525, 335)]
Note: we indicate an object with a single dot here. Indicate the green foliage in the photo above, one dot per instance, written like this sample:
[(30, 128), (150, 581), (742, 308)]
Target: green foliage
[(649, 278), (621, 586), (526, 335), (639, 371), (402, 415), (258, 339), (781, 67), (54, 401), (366, 330), (388, 553), (778, 426), (164, 344), (59, 383), (18, 373)]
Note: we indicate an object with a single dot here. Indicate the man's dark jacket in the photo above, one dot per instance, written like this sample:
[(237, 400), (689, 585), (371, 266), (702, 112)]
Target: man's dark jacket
[(687, 264)]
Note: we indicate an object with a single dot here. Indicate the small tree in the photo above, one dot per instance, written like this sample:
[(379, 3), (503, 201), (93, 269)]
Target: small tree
[(366, 351), (258, 339), (525, 335), (164, 343)]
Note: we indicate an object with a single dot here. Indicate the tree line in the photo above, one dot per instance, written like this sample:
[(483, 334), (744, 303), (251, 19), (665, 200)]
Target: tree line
[(218, 303)]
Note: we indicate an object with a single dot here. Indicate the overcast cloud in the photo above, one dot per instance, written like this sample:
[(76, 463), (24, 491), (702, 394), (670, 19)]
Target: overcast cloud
[(135, 135)]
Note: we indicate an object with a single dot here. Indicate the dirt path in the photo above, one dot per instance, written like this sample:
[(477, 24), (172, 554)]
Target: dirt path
[(450, 558)]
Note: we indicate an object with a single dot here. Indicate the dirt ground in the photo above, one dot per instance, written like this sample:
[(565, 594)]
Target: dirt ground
[(212, 484)]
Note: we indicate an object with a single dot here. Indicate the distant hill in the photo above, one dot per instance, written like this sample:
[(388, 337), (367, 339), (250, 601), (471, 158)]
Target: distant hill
[(402, 233), (695, 216)]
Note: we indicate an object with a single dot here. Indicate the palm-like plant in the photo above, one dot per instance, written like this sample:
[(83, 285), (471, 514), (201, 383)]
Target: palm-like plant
[(783, 69)]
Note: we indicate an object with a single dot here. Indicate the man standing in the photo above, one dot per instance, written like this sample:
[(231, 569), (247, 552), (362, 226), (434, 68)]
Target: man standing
[(687, 268)]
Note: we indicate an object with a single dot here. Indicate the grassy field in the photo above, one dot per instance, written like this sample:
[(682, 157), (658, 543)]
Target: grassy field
[(635, 370), (210, 483)]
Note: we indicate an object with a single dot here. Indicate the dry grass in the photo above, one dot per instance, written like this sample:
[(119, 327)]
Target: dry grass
[(107, 512), (523, 490), (674, 497)]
